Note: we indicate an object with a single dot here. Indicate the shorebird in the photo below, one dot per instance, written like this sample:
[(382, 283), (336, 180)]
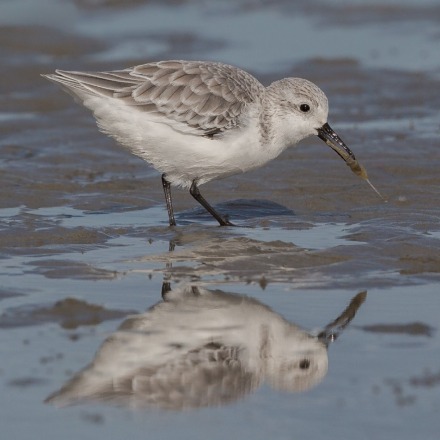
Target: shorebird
[(200, 348), (195, 121)]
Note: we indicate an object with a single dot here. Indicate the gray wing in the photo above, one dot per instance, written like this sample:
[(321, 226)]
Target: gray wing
[(211, 375), (203, 98)]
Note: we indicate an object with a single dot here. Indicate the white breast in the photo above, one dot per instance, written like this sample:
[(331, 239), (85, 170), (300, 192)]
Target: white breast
[(183, 157)]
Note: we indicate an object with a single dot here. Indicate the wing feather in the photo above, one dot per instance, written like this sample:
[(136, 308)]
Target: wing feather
[(202, 98)]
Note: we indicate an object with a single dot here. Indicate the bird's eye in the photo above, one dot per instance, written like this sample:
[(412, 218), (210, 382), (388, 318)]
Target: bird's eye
[(304, 364), (304, 108)]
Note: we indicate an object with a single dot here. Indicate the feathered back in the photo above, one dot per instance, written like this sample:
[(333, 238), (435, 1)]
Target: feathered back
[(208, 97)]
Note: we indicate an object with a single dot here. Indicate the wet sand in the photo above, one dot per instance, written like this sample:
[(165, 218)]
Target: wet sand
[(84, 241)]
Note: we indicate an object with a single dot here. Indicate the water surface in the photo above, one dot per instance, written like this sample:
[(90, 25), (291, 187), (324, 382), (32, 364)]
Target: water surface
[(85, 246)]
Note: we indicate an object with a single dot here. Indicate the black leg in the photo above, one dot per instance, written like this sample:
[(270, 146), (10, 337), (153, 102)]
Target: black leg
[(166, 284), (166, 287), (167, 191), (194, 191)]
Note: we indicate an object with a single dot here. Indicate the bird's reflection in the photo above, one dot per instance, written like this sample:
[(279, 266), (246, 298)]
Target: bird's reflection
[(201, 348)]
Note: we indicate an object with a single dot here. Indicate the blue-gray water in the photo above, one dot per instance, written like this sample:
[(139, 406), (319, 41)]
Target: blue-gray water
[(84, 241)]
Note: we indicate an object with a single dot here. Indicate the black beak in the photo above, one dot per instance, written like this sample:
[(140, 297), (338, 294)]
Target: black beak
[(329, 136), (332, 330)]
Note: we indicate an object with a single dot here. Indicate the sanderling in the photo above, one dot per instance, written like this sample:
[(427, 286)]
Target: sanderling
[(200, 347), (196, 121)]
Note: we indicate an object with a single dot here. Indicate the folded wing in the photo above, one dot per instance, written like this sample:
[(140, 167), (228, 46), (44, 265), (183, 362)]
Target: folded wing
[(203, 98)]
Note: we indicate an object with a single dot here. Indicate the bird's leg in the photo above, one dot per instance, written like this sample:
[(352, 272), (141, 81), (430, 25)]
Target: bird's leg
[(194, 191), (166, 283), (166, 287), (167, 191)]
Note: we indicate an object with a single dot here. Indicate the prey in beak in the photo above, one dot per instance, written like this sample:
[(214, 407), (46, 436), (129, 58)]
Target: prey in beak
[(330, 137)]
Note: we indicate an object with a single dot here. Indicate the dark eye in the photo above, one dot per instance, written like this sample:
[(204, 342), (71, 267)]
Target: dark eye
[(304, 108), (304, 364)]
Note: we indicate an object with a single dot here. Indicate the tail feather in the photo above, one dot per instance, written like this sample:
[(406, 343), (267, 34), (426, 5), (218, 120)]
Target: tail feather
[(83, 84)]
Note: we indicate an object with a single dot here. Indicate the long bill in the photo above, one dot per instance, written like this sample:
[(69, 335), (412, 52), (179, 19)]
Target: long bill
[(329, 136), (332, 330)]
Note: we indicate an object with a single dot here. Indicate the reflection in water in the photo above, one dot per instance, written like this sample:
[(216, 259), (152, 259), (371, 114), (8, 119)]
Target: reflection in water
[(202, 348)]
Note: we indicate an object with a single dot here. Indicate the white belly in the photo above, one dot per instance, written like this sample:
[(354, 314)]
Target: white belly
[(182, 157)]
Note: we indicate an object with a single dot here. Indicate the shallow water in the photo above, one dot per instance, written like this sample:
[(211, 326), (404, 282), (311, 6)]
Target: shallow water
[(84, 241)]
